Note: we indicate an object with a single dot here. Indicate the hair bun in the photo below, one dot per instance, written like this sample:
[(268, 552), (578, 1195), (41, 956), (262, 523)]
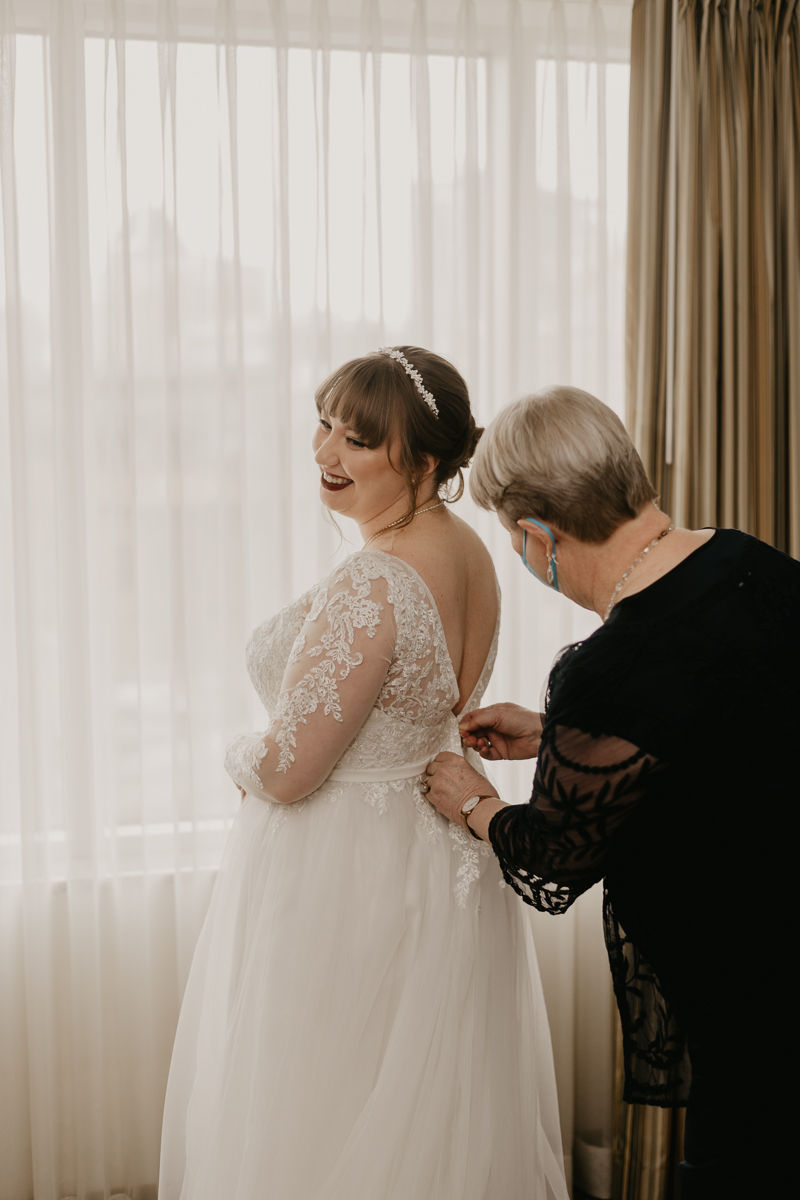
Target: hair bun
[(472, 435), (476, 433)]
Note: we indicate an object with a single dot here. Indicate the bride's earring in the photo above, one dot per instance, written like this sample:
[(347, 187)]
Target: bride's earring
[(550, 560)]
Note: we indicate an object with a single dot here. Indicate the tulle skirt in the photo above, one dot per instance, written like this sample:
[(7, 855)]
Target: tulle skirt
[(363, 1018)]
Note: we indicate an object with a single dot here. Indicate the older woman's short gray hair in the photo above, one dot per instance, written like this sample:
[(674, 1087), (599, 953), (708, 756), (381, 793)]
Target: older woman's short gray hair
[(563, 456)]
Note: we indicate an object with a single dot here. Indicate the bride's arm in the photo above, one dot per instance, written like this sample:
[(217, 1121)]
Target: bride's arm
[(334, 675)]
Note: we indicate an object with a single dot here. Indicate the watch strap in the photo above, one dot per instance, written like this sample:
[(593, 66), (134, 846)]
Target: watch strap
[(469, 811)]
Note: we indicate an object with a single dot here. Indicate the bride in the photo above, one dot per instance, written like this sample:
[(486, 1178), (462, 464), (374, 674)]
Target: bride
[(317, 1056)]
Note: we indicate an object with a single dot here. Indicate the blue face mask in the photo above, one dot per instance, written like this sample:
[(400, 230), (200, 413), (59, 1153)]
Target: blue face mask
[(552, 574)]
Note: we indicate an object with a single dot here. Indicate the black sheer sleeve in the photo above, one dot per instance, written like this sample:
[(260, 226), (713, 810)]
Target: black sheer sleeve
[(654, 1050), (554, 848)]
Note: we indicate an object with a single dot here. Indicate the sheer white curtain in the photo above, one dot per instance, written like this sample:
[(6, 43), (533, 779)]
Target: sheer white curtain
[(205, 207)]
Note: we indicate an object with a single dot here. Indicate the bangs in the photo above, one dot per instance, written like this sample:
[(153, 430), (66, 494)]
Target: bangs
[(363, 395)]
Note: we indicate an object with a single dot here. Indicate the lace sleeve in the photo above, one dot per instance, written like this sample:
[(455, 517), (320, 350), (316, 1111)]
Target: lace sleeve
[(555, 847), (333, 677)]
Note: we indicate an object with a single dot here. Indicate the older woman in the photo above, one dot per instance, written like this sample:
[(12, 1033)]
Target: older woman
[(667, 766)]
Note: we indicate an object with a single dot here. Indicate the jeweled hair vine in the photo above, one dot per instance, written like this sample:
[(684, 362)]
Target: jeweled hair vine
[(413, 374)]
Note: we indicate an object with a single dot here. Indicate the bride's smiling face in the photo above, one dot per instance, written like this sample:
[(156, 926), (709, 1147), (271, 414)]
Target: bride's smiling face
[(355, 480)]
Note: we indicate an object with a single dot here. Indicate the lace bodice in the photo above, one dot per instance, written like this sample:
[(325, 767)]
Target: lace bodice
[(355, 675)]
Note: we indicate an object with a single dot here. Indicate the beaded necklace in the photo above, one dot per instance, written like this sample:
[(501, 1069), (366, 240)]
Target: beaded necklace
[(635, 563), (418, 513)]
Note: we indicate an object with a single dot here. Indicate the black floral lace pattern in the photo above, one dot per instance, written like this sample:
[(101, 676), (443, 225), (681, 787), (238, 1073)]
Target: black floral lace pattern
[(657, 1067), (668, 764), (584, 788), (556, 847)]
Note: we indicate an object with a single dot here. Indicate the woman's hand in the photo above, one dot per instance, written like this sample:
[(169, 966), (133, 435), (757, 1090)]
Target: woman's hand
[(502, 731), (451, 782)]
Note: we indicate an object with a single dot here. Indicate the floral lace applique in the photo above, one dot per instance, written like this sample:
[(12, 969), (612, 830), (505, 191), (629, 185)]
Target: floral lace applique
[(413, 710), (469, 872), (347, 611), (412, 715), (243, 757), (420, 682), (297, 649), (426, 814), (278, 821), (376, 795)]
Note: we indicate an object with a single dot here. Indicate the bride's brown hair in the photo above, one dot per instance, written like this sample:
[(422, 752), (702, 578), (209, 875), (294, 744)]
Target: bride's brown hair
[(375, 397)]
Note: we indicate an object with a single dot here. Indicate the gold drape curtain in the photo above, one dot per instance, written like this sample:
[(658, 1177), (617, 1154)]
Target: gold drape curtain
[(713, 287), (712, 320), (648, 1145)]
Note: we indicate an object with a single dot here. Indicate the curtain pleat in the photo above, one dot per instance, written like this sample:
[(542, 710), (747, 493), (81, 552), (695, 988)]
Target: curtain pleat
[(206, 207), (371, 116), (712, 329), (423, 191), (648, 1143), (713, 270)]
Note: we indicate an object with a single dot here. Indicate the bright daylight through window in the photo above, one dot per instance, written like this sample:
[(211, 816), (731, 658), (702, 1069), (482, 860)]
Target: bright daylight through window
[(228, 258), (206, 208)]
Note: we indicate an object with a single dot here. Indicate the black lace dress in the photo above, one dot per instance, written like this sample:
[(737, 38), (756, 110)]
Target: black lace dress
[(668, 768)]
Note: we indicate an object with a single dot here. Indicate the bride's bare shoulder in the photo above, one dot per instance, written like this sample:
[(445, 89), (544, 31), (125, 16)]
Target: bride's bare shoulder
[(469, 540), (469, 546), (447, 552)]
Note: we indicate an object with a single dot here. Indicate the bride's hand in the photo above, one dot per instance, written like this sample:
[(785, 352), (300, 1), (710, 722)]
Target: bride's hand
[(502, 731)]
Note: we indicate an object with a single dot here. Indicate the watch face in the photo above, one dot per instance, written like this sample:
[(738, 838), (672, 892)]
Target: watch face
[(468, 805)]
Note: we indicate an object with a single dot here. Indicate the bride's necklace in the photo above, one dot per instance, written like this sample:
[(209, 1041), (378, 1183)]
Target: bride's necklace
[(635, 563), (417, 513)]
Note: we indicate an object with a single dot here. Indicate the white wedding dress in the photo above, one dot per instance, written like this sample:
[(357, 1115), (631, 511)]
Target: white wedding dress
[(363, 1019)]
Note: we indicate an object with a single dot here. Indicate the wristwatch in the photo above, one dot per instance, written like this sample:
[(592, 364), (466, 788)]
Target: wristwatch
[(468, 807)]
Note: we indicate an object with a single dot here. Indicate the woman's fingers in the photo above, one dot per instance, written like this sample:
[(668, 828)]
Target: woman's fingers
[(499, 718), (479, 718), (478, 741), (488, 743), (511, 730), (452, 781), (476, 729)]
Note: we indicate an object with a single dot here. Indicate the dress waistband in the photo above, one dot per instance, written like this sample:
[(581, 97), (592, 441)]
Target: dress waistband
[(382, 774)]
